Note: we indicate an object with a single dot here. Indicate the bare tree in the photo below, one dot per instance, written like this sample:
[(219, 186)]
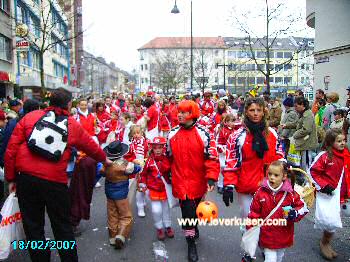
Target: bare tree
[(279, 22), (170, 70), (46, 34), (202, 69)]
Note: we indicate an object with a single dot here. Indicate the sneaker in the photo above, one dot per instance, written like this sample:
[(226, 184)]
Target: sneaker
[(141, 213), (160, 234), (169, 232), (98, 185)]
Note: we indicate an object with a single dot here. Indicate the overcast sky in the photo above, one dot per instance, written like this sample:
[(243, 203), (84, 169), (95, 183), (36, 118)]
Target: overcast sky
[(115, 29)]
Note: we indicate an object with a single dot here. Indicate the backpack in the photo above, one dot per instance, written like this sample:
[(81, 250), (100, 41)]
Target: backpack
[(49, 136)]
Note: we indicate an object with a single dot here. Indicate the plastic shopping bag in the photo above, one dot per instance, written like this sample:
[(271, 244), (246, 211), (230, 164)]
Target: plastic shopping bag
[(250, 240), (172, 201), (293, 156), (11, 227)]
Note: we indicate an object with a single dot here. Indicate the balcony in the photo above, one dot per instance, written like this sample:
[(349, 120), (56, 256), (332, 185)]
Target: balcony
[(310, 13)]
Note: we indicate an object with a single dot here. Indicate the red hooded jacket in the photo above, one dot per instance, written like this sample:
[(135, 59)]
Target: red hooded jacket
[(19, 158), (244, 169), (173, 112), (264, 201), (150, 173), (87, 122), (194, 160), (327, 171)]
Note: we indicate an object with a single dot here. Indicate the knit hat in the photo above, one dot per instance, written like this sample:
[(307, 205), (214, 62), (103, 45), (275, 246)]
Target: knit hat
[(288, 102)]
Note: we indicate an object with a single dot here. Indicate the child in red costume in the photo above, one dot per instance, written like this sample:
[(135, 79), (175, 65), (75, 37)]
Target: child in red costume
[(275, 239), (330, 172), (164, 123), (156, 167)]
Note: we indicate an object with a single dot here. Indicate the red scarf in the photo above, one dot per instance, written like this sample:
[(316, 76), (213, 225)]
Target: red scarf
[(58, 111)]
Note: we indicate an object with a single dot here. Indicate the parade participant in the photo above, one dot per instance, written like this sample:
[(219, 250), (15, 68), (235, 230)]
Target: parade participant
[(15, 108), (120, 103), (207, 105), (3, 122), (194, 167), (174, 121), (139, 109), (338, 121), (249, 150), (126, 123), (319, 115), (157, 166), (225, 129), (40, 183), (102, 117), (108, 104), (330, 173), (164, 123), (275, 114), (331, 106), (87, 120), (152, 118), (114, 127), (220, 111), (290, 117), (119, 213), (318, 96), (274, 239)]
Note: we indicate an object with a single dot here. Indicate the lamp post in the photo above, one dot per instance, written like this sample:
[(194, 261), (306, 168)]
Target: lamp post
[(176, 10)]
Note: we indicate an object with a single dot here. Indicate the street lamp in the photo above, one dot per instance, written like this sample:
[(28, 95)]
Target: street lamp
[(176, 10)]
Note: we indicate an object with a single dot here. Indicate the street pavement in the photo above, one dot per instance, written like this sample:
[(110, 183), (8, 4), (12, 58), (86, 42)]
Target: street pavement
[(218, 243)]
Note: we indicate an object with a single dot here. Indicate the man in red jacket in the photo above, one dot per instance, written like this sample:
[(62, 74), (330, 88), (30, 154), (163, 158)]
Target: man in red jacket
[(41, 183), (194, 166)]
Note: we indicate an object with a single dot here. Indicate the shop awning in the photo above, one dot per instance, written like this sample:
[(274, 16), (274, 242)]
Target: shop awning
[(4, 76)]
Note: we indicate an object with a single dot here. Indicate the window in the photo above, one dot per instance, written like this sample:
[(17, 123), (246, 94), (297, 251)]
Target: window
[(302, 66), (217, 80), (35, 59), (250, 67), (231, 80), (271, 67), (260, 80), (34, 26), (146, 67), (260, 66), (216, 52), (261, 54), (288, 54), (21, 15), (5, 48), (287, 80), (278, 68), (272, 54), (5, 5), (272, 79), (241, 80), (141, 67), (141, 80), (302, 79), (242, 54), (287, 67), (232, 54), (307, 80), (278, 80), (251, 81), (24, 58), (279, 54)]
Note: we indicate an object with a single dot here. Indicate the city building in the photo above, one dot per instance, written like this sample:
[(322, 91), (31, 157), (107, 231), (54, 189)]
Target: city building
[(331, 20), (74, 12), (229, 58), (7, 78), (54, 60), (290, 63), (101, 78)]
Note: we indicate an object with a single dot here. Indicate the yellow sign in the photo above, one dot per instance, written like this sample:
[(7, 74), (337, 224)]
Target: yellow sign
[(22, 30)]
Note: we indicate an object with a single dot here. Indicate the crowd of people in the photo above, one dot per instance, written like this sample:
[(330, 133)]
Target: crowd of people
[(144, 144)]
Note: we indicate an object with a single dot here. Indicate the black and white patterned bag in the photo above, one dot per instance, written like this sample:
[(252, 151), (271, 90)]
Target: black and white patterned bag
[(49, 136)]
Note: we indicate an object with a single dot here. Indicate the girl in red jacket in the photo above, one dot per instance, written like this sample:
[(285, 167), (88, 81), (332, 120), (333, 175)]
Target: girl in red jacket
[(330, 172), (224, 130), (274, 239), (157, 166), (102, 117), (164, 123)]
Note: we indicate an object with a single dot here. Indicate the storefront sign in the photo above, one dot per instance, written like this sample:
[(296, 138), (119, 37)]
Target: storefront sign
[(22, 45), (322, 59)]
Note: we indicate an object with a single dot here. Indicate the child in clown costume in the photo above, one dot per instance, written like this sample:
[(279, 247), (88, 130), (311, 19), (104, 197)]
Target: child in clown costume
[(156, 167)]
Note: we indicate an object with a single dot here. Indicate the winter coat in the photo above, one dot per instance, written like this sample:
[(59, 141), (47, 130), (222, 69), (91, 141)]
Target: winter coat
[(174, 121), (327, 171), (319, 116), (216, 119), (154, 169), (87, 122), (290, 118), (275, 115), (139, 146), (153, 114), (164, 122), (222, 137), (244, 169), (207, 107), (117, 179), (305, 135), (337, 123), (328, 116), (19, 158), (194, 160), (6, 138), (264, 201)]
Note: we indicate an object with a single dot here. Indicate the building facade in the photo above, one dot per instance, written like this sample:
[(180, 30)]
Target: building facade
[(230, 63), (331, 20), (7, 77), (101, 78)]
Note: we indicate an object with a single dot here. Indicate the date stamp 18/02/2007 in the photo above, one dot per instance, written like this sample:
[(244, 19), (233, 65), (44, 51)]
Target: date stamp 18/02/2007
[(43, 245)]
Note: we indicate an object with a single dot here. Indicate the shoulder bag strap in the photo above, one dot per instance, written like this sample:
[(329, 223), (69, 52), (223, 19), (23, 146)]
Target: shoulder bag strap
[(275, 209)]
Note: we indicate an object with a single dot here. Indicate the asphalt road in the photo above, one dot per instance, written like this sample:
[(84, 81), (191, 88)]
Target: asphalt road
[(215, 244)]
